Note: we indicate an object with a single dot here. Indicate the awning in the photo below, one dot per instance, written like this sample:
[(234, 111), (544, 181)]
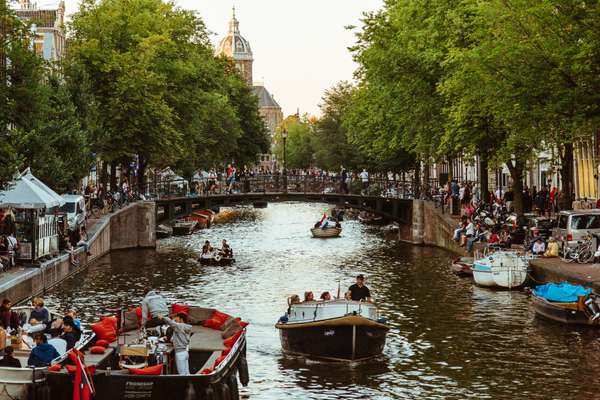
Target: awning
[(28, 192)]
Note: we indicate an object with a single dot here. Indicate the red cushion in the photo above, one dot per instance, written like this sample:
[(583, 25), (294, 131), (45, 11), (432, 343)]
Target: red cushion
[(180, 308), (229, 342), (55, 368), (206, 371), (226, 351), (155, 370), (97, 350), (218, 361), (218, 315), (217, 320), (105, 330), (71, 368), (102, 342)]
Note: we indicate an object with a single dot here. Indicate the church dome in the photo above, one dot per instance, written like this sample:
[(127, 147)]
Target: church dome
[(234, 45)]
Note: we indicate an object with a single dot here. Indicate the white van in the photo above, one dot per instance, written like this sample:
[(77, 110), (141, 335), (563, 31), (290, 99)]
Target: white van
[(573, 226), (74, 208)]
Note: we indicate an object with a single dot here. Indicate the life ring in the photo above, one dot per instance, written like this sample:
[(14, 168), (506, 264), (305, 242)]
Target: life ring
[(218, 257)]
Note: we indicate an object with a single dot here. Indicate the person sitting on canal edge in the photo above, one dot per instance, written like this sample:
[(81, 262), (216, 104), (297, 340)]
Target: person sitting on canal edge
[(358, 291), (181, 341), (43, 353), (9, 360), (153, 305)]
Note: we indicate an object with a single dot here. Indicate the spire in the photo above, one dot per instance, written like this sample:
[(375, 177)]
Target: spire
[(234, 25)]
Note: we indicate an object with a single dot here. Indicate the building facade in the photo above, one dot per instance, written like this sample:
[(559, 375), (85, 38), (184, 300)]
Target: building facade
[(237, 48), (47, 26)]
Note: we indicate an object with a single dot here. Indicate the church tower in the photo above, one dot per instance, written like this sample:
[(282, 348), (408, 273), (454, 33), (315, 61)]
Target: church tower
[(238, 49)]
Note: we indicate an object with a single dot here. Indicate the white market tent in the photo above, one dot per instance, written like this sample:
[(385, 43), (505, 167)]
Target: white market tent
[(28, 192)]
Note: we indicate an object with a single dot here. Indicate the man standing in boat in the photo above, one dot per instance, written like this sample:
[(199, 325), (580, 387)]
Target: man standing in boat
[(358, 291), (153, 305), (181, 341)]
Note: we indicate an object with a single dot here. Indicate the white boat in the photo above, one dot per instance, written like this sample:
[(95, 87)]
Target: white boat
[(326, 233), (505, 269), (28, 382)]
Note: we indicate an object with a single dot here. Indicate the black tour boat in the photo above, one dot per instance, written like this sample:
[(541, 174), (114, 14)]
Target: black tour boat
[(216, 259), (137, 365), (339, 330)]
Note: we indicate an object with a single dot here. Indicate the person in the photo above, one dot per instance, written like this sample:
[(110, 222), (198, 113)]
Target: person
[(181, 341), (153, 305), (39, 314), (478, 235), (294, 299), (505, 238), (59, 343), (553, 248), (207, 248), (358, 291), (539, 247), (12, 246), (226, 249), (460, 228), (344, 179), (71, 334), (9, 360), (469, 232), (364, 177), (8, 318), (43, 353), (494, 239), (309, 296), (83, 240), (326, 296)]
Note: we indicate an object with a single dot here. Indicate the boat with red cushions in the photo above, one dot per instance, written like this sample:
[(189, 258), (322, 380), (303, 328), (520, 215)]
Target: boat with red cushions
[(339, 330), (133, 362), (30, 382)]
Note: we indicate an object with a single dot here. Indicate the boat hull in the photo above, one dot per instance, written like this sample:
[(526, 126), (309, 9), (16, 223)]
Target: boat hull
[(334, 339), (566, 313), (326, 233), (482, 275), (212, 261)]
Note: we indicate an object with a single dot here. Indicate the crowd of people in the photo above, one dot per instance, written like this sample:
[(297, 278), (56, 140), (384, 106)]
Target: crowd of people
[(208, 251), (47, 337), (356, 292)]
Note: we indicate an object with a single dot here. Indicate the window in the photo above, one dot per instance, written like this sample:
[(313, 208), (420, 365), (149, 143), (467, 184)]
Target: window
[(562, 222)]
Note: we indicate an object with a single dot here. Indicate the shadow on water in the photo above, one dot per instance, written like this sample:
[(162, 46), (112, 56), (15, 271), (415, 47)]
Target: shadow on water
[(448, 340)]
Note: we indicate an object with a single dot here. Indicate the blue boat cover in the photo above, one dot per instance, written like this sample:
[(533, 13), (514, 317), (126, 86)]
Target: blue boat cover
[(563, 292)]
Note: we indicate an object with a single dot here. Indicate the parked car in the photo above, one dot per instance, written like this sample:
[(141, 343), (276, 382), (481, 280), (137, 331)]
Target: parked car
[(573, 226), (74, 208)]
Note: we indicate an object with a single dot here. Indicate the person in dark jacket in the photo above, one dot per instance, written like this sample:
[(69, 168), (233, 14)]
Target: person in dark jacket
[(70, 334), (43, 353), (9, 360), (8, 318)]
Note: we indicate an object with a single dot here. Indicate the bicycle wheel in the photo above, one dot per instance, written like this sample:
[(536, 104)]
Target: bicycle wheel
[(568, 255), (585, 256)]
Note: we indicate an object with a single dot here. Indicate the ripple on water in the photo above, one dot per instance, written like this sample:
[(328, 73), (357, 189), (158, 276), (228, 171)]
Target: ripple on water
[(448, 339)]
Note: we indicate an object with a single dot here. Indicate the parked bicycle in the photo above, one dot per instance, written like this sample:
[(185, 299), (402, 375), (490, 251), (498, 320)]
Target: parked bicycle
[(582, 253)]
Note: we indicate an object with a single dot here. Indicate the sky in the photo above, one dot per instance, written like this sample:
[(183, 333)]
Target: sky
[(300, 46)]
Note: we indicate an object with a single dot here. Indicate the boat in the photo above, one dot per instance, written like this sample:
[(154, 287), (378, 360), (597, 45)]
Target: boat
[(370, 218), (139, 365), (163, 232), (184, 227), (326, 233), (462, 266), (29, 382), (566, 303), (503, 268), (340, 330), (204, 218), (215, 259)]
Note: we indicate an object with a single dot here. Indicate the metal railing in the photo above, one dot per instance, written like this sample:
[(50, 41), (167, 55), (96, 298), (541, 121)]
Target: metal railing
[(306, 184)]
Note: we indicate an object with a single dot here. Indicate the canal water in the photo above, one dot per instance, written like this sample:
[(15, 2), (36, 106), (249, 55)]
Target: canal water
[(448, 338)]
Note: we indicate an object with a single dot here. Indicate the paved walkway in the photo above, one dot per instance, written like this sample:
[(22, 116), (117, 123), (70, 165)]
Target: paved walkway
[(556, 270)]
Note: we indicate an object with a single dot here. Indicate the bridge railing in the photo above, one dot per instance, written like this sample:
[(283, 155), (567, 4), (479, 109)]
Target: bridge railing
[(307, 184)]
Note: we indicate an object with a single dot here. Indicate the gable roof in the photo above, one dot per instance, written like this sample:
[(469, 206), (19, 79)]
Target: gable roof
[(265, 99)]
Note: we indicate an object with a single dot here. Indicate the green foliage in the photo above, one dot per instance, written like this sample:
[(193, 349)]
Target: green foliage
[(299, 146)]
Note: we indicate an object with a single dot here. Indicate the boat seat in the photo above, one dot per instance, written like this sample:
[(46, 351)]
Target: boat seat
[(206, 339), (211, 360), (96, 359)]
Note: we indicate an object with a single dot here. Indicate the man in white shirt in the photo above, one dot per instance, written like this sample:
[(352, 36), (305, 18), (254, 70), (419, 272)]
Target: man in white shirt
[(12, 246), (364, 177), (539, 247), (469, 232)]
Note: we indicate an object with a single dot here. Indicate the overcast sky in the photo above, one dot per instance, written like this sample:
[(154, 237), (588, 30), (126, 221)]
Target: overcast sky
[(299, 46)]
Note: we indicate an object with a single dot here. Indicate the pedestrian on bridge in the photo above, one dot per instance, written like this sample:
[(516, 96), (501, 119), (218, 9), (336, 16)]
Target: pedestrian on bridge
[(364, 177)]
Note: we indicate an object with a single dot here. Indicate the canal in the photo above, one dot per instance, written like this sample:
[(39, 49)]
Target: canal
[(449, 339)]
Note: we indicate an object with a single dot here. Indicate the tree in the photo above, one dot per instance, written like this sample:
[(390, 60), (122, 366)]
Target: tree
[(299, 143)]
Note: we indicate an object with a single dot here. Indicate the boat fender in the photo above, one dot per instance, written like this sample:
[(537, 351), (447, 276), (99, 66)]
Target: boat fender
[(243, 371), (225, 392), (283, 319), (233, 386)]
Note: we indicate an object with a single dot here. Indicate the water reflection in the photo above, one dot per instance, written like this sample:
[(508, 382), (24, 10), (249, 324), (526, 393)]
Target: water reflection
[(449, 339)]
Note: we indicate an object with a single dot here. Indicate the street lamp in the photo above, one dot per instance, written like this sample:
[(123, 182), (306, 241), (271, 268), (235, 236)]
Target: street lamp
[(284, 135)]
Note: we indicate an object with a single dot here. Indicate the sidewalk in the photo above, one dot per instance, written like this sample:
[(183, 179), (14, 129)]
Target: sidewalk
[(556, 270)]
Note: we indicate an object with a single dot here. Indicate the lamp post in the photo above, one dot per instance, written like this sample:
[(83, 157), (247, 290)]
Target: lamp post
[(284, 135)]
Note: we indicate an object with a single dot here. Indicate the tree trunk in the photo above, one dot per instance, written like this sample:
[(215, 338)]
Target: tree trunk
[(566, 175), (104, 174), (426, 184), (484, 177), (417, 188), (113, 176), (516, 173)]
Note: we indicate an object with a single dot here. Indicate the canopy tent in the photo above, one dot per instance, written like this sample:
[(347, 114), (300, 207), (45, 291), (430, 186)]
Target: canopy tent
[(28, 192)]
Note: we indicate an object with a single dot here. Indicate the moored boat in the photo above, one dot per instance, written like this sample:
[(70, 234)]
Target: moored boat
[(335, 330), (139, 363), (163, 232), (30, 382), (204, 218), (329, 232), (566, 303), (505, 269), (462, 266), (184, 228), (370, 218)]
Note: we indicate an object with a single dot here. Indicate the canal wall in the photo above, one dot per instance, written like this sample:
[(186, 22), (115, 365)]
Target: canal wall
[(130, 227), (430, 227)]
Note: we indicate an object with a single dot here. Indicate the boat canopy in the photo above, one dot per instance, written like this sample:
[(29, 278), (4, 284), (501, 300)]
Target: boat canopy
[(563, 292)]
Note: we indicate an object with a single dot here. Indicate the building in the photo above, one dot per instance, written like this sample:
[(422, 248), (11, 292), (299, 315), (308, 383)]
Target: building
[(236, 47), (47, 27)]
